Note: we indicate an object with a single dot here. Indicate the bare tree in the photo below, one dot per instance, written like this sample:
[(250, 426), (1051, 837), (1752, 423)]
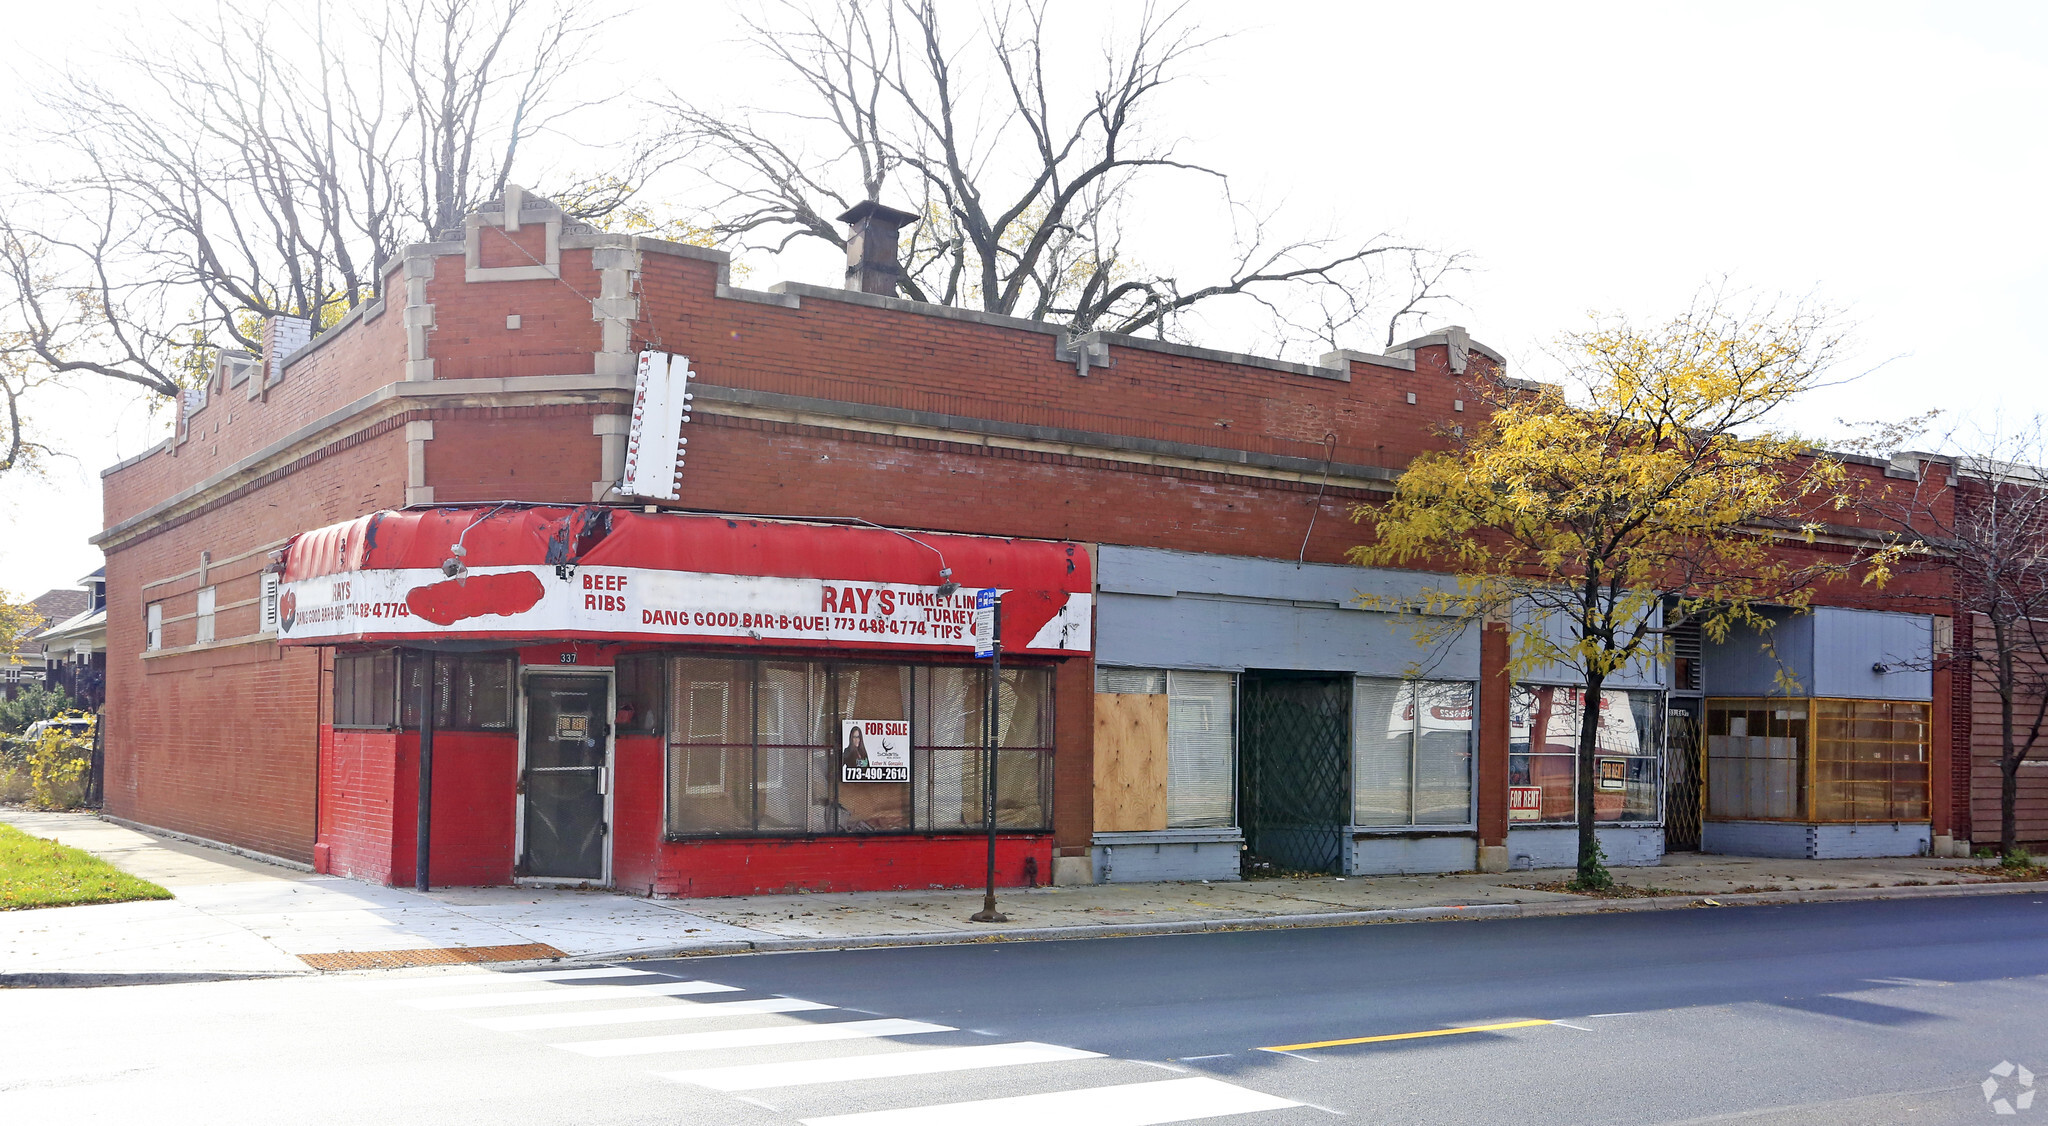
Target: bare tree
[(1022, 187), (260, 160), (1982, 510)]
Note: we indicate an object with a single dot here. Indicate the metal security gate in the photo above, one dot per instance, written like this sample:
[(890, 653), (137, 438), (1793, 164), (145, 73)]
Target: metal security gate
[(1294, 785), (1682, 777)]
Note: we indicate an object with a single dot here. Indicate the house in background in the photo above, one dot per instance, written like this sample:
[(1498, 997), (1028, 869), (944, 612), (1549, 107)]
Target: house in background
[(74, 649), (25, 668)]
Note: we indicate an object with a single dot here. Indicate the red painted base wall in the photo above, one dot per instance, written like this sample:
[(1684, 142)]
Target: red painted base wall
[(368, 806), (356, 775), (367, 813), (759, 867)]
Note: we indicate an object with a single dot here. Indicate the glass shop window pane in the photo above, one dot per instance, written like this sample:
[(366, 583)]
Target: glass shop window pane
[(799, 759), (483, 693), (1131, 682), (345, 691), (1023, 785), (1025, 703), (869, 694), (946, 766), (640, 680), (1382, 752), (384, 688), (1201, 749), (710, 753), (1443, 752)]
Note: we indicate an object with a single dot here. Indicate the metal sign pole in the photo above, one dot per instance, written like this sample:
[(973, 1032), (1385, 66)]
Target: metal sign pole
[(424, 825), (993, 727)]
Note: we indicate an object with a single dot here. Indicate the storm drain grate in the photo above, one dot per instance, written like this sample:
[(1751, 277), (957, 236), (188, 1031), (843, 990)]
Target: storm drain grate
[(435, 956)]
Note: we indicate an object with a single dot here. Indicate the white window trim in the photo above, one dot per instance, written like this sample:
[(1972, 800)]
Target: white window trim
[(1471, 822), (208, 598)]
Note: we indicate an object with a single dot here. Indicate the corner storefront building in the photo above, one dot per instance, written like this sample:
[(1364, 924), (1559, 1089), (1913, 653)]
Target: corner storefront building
[(745, 669), (640, 699)]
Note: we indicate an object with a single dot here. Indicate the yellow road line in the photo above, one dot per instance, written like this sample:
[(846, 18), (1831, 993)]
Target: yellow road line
[(1407, 1035)]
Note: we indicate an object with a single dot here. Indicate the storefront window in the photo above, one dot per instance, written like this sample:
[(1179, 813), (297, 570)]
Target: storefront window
[(472, 691), (1855, 760), (802, 747), (1756, 759), (365, 689), (1201, 740), (637, 692), (1411, 752), (1543, 739)]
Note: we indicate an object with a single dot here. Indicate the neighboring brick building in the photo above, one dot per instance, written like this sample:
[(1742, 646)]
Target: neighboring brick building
[(1198, 500)]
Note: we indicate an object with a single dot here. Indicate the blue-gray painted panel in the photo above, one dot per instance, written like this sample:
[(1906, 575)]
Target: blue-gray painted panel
[(1145, 570), (1401, 856), (1142, 858), (1847, 643), (1746, 663), (1189, 610), (1559, 848), (1213, 633), (1642, 672), (1782, 839), (1847, 842)]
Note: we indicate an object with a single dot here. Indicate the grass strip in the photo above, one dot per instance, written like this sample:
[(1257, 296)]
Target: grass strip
[(41, 873)]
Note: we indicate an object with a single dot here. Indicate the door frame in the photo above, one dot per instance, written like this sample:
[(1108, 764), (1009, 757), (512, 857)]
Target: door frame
[(1345, 683), (606, 778)]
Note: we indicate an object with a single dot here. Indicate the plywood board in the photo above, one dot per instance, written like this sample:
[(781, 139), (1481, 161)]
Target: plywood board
[(1130, 762)]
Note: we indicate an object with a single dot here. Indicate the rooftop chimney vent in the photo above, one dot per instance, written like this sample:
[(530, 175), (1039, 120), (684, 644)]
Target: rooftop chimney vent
[(871, 265)]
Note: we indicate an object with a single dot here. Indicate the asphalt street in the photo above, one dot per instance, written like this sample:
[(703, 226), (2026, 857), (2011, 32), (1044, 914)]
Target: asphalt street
[(1873, 1012)]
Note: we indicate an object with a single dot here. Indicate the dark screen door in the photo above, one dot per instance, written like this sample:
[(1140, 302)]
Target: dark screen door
[(567, 729)]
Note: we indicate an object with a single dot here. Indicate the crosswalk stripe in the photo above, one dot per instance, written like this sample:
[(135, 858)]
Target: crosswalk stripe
[(699, 1011), (574, 993), (485, 977), (754, 1037), (927, 1061), (1130, 1104)]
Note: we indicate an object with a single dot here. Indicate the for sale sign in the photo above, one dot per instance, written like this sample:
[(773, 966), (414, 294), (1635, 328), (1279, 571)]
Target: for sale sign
[(874, 750)]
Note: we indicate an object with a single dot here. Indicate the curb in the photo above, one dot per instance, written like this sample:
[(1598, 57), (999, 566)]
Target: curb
[(1452, 913), (67, 980)]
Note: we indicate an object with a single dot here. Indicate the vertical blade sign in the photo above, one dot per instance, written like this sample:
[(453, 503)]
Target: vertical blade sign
[(655, 446)]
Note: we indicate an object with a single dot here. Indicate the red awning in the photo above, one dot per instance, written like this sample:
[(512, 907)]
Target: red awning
[(590, 572)]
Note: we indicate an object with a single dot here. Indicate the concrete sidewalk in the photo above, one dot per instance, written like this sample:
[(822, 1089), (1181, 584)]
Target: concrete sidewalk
[(234, 915)]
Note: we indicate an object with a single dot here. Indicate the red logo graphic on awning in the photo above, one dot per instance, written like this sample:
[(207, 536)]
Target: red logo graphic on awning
[(473, 596)]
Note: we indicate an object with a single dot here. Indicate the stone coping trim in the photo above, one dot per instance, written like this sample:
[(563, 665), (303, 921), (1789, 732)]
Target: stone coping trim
[(389, 399), (1116, 838), (835, 408)]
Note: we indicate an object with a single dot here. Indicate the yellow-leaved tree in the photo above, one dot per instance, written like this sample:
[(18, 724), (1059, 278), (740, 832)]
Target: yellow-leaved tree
[(1648, 493), (17, 621)]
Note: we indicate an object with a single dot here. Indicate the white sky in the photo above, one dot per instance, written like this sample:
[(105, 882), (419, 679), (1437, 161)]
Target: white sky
[(1887, 158)]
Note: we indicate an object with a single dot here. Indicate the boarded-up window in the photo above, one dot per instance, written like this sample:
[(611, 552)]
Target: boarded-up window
[(1201, 740)]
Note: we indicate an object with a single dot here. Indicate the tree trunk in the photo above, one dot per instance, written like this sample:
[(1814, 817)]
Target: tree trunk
[(1591, 873), (2008, 797), (2008, 756)]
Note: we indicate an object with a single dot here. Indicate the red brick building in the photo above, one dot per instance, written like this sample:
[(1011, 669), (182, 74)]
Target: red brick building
[(1192, 504)]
